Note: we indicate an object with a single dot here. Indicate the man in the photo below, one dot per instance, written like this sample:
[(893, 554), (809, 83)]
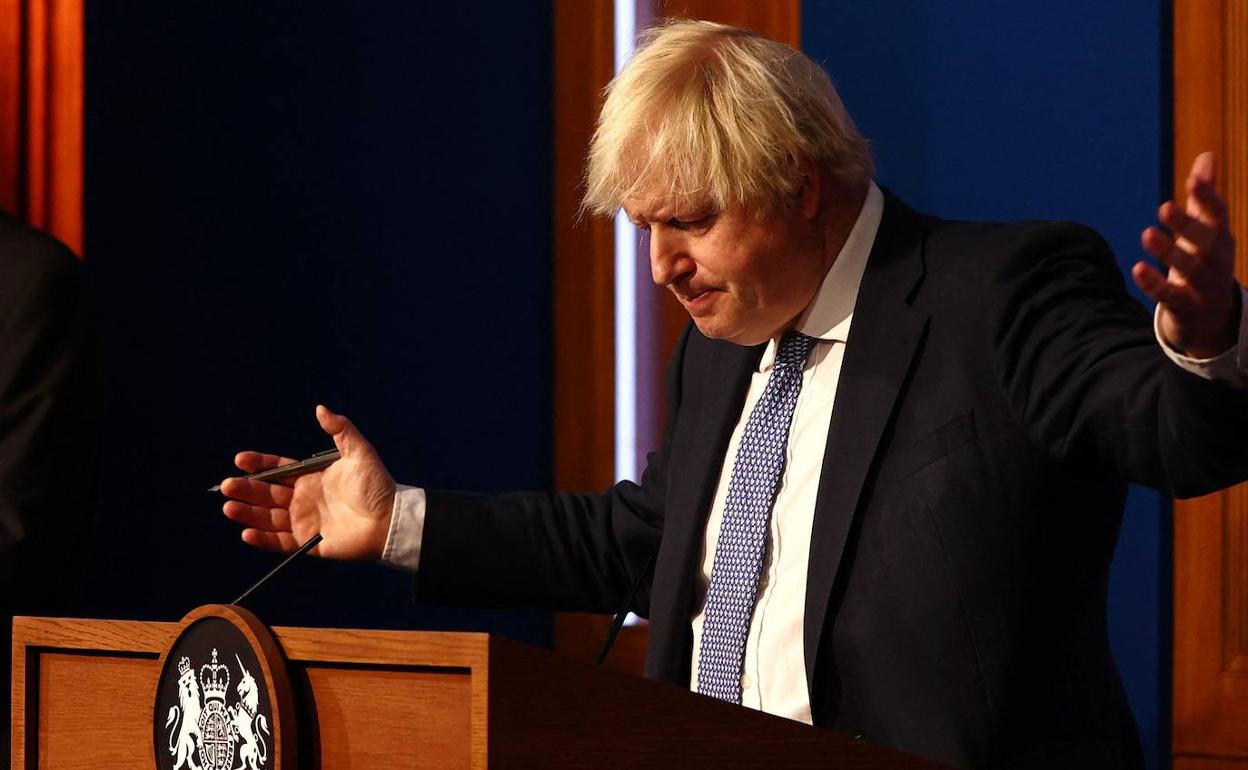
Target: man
[(897, 449), (50, 423)]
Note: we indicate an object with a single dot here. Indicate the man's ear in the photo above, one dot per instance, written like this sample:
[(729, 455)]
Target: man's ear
[(812, 189)]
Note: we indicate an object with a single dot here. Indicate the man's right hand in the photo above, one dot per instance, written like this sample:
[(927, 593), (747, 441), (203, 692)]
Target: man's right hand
[(349, 503)]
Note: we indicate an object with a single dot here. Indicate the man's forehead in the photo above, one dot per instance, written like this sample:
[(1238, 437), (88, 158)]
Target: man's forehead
[(660, 208)]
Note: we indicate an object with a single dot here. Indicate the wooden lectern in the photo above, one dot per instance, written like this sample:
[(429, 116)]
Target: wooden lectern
[(83, 698)]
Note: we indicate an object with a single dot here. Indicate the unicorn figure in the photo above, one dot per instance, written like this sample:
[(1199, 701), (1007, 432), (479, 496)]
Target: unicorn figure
[(250, 726)]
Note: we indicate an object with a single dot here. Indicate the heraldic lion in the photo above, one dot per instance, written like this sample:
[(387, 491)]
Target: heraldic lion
[(187, 730)]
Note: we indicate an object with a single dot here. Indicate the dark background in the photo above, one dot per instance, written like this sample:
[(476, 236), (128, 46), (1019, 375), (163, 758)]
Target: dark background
[(291, 203)]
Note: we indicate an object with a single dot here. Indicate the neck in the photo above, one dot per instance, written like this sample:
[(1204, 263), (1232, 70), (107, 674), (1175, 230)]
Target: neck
[(841, 208), (839, 211)]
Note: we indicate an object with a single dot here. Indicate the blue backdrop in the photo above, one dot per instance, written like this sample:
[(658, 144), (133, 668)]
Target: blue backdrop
[(1032, 110)]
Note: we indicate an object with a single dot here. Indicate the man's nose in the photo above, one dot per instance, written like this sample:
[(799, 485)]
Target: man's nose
[(668, 259)]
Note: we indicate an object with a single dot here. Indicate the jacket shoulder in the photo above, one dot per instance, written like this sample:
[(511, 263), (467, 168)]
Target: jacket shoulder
[(949, 240), (30, 259)]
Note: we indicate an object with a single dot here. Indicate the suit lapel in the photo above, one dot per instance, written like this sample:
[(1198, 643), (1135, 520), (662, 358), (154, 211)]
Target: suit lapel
[(885, 334), (719, 377)]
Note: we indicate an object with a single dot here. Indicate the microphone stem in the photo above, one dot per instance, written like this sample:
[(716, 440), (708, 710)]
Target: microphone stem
[(622, 615), (308, 546)]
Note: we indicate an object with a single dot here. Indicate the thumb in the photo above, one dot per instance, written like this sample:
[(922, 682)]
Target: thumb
[(346, 437), (1204, 168)]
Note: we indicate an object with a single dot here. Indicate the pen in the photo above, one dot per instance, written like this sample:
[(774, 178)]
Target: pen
[(314, 463)]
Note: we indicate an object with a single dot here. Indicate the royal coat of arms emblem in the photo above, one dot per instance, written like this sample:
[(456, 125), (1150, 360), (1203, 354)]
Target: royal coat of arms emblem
[(204, 732)]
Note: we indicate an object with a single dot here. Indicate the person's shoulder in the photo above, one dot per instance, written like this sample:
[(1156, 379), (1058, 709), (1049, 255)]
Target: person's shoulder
[(1032, 237), (969, 262), (30, 257), (958, 239), (950, 244)]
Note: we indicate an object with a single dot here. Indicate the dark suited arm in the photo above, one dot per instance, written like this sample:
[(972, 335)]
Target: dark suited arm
[(50, 415), (1085, 376), (575, 552)]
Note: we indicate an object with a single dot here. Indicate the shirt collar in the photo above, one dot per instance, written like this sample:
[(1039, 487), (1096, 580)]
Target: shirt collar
[(828, 316)]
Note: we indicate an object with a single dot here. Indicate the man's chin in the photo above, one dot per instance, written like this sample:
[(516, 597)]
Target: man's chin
[(716, 329)]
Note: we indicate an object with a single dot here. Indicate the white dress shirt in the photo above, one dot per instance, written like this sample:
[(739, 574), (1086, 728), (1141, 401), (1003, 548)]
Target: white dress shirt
[(773, 676)]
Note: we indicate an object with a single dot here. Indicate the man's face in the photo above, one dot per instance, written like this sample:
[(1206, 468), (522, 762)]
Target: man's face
[(742, 277)]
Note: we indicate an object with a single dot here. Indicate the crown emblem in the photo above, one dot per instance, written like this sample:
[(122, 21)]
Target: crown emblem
[(214, 678), (184, 670)]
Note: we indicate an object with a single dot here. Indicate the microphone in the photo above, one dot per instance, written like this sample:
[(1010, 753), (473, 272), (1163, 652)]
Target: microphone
[(622, 615), (308, 546)]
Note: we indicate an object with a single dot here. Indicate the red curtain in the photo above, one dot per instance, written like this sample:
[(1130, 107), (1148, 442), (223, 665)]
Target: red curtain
[(41, 82)]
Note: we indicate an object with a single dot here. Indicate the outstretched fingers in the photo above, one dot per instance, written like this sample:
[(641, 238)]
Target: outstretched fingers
[(254, 462), (1195, 236), (1203, 200), (1155, 285), (1158, 243), (258, 516), (282, 542), (258, 492), (1204, 203)]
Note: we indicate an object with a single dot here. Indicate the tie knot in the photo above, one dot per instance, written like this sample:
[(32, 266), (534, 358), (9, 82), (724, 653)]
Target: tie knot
[(793, 349)]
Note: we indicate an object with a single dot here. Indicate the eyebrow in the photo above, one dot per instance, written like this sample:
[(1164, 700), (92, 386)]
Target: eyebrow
[(700, 211), (640, 218)]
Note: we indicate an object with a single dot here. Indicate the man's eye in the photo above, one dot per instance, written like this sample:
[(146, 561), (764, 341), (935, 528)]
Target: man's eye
[(688, 224)]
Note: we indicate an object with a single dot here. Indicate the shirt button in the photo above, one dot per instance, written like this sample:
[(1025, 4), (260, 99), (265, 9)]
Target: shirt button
[(747, 681)]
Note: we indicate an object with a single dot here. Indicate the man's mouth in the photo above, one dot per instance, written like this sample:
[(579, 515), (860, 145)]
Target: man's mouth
[(696, 300)]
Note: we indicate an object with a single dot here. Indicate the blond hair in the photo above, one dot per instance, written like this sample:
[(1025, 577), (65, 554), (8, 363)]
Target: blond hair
[(707, 113)]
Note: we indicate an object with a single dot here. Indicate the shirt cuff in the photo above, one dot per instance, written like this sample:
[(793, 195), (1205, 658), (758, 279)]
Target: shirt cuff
[(407, 528), (1230, 367)]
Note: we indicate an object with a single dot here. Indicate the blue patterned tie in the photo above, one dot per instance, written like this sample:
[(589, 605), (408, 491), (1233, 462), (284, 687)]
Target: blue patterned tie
[(743, 533)]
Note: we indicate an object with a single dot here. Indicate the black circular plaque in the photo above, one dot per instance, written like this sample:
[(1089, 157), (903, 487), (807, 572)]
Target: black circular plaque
[(222, 697)]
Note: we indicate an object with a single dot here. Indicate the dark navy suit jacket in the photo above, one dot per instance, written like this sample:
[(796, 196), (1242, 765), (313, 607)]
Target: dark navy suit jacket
[(998, 392), (51, 409)]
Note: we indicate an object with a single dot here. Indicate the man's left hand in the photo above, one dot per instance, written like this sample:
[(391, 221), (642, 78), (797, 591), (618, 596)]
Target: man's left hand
[(1198, 295)]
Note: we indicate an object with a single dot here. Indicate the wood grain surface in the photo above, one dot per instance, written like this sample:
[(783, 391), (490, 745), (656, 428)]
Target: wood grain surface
[(553, 713), (584, 267), (391, 699), (1208, 763), (1211, 533), (83, 694), (41, 115), (10, 102), (82, 691)]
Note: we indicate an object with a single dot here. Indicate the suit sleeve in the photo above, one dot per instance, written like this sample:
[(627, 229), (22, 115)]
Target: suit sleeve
[(50, 413), (1084, 375), (573, 552)]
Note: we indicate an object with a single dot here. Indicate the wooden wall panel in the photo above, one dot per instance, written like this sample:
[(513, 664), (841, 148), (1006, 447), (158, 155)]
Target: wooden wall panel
[(10, 101), (41, 114), (62, 162), (1208, 763), (1211, 533), (777, 19), (584, 250), (584, 273)]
